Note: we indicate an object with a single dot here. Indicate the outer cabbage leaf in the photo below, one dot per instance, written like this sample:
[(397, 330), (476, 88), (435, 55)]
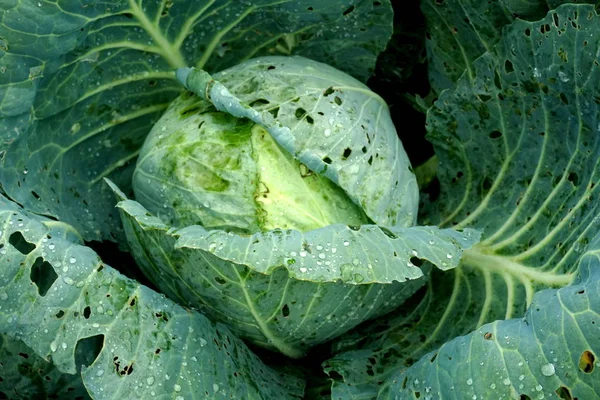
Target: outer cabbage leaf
[(25, 375), (552, 351), (288, 290), (459, 31), (518, 150), (82, 82), (58, 297)]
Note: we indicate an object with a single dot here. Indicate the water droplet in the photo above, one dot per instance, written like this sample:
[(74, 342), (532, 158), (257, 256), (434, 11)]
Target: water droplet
[(51, 246), (506, 381), (215, 387), (563, 77), (449, 256), (469, 381), (150, 380), (68, 280), (303, 269), (3, 296), (72, 260), (538, 387), (53, 346), (548, 369), (75, 127), (521, 377), (346, 243), (63, 345), (327, 132), (203, 342), (177, 388)]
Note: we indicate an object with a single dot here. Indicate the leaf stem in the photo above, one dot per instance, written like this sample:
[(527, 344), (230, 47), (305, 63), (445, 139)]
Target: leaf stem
[(167, 50), (271, 338), (501, 265)]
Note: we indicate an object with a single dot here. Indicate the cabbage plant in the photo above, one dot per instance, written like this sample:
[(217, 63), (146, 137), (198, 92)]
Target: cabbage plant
[(334, 199), (257, 198)]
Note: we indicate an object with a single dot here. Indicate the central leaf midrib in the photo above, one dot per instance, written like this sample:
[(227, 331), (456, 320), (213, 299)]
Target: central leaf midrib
[(262, 324), (477, 257), (172, 55)]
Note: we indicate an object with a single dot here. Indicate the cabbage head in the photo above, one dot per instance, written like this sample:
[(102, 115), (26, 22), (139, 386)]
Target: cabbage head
[(277, 198)]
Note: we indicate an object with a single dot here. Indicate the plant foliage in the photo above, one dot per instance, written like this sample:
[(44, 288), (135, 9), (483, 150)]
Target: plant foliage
[(261, 164)]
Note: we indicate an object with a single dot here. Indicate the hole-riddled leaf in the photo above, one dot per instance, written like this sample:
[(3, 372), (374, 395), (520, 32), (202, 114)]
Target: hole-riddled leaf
[(43, 275)]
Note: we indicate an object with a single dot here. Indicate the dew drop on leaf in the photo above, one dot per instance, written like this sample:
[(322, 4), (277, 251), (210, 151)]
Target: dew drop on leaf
[(548, 369), (75, 127)]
